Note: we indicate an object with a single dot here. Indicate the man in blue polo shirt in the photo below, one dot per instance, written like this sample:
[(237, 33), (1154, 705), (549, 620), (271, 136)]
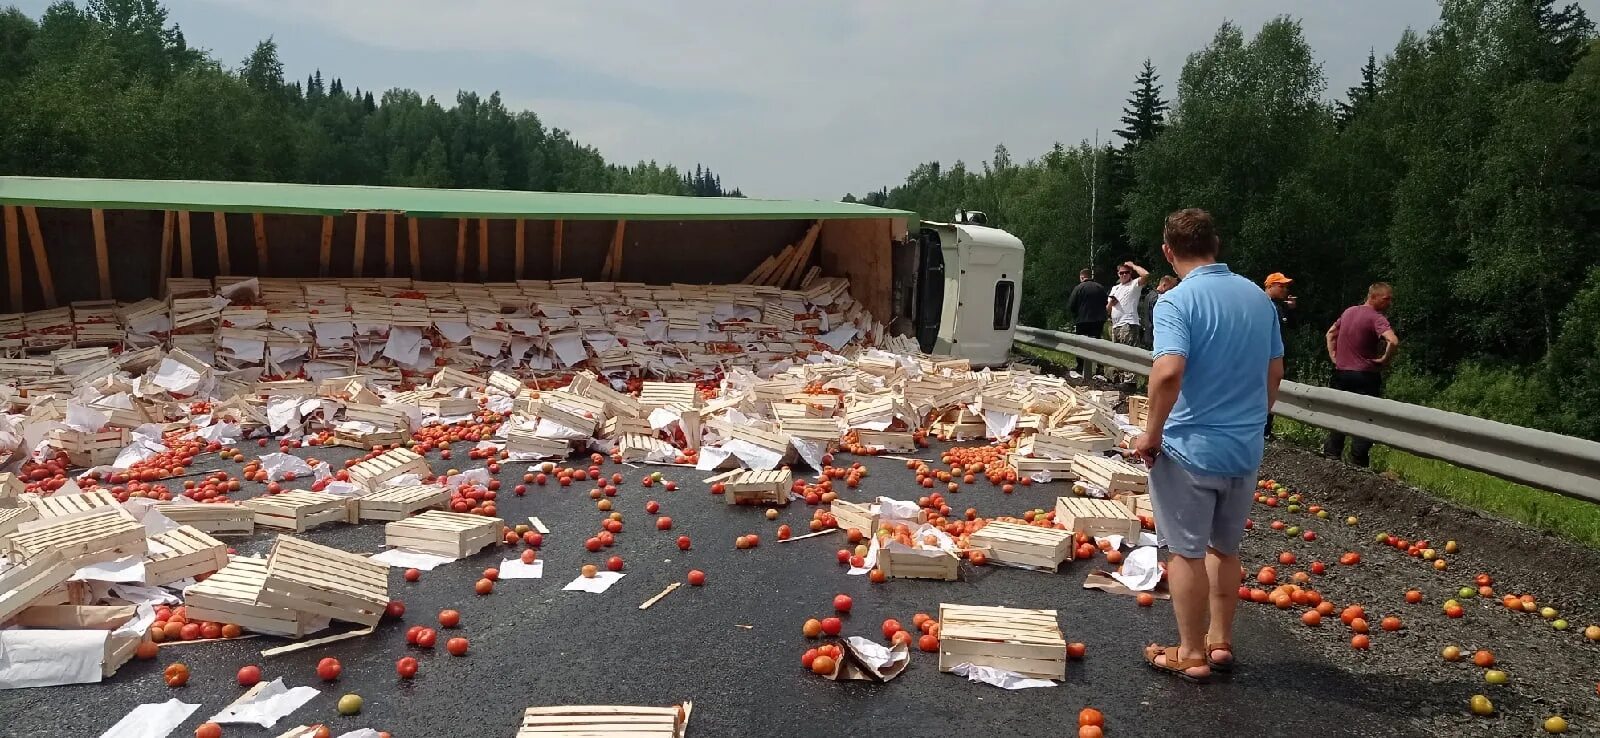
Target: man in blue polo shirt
[(1218, 362)]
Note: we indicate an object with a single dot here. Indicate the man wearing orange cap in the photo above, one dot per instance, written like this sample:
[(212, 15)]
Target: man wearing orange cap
[(1277, 287)]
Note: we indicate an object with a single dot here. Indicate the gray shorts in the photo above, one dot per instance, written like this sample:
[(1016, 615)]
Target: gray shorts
[(1194, 512)]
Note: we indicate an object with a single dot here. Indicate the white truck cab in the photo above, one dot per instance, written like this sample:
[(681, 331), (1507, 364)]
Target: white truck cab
[(968, 290)]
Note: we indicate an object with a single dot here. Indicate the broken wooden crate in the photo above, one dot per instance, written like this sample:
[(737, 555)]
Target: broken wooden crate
[(856, 516), (320, 580), (903, 562), (56, 506), (101, 534), (599, 721), (1023, 545), (212, 518), (11, 489), (1095, 517), (444, 533), (229, 596), (746, 487), (1112, 475), (1025, 641), (373, 472), (181, 553), (297, 511), (24, 584), (398, 503)]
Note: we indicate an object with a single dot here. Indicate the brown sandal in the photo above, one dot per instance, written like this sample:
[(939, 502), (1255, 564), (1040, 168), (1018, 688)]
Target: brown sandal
[(1219, 665), (1174, 666)]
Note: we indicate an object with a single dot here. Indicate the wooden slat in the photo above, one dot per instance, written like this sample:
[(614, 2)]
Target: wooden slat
[(14, 258), (167, 220), (263, 260), (555, 251), (461, 249), (219, 223), (41, 260), (416, 247), (614, 260), (806, 245), (185, 246), (102, 259), (483, 249), (521, 239), (388, 244), (361, 243), (326, 251)]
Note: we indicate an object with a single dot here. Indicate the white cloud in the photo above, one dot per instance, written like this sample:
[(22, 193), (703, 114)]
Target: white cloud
[(812, 99)]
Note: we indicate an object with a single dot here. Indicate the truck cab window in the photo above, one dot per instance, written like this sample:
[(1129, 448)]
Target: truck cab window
[(1005, 297)]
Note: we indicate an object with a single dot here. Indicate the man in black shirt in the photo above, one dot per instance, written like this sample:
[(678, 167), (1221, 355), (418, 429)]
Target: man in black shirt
[(1087, 304), (1277, 288)]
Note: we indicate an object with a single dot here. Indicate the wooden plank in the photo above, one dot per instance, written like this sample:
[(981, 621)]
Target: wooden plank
[(259, 221), (219, 223), (555, 251), (41, 260), (361, 243), (303, 645), (803, 255), (327, 246), (765, 265), (616, 250), (185, 246), (167, 219), (653, 600), (483, 249), (412, 229), (521, 239), (388, 244), (14, 258), (102, 260), (461, 249)]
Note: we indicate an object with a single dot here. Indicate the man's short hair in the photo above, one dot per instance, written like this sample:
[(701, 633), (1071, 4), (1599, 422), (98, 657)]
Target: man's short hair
[(1191, 233), (1085, 274), (1167, 282), (1379, 288)]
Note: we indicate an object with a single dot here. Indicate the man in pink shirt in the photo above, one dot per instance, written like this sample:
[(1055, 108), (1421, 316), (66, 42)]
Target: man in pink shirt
[(1361, 344)]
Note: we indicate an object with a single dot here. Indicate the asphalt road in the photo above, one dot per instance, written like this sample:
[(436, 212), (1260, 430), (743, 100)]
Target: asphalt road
[(733, 646)]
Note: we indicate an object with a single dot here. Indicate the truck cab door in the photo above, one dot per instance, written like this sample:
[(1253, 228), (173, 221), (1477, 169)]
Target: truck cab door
[(930, 288)]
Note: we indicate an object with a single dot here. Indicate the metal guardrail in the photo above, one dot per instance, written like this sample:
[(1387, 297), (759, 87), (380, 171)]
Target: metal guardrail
[(1561, 464)]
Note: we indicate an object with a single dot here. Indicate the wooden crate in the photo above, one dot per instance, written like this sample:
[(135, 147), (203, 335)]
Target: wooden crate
[(384, 418), (91, 449), (450, 377), (757, 487), (11, 489), (1113, 476), (669, 394), (855, 515), (816, 430), (56, 506), (1024, 545), (1138, 409), (523, 442), (619, 426), (229, 596), (212, 518), (102, 534), (1028, 465), (1025, 641), (321, 580), (397, 503), (641, 447), (180, 553), (888, 441), (599, 721), (562, 415), (616, 403), (1095, 517), (1063, 444), (373, 472), (13, 517), (448, 407), (444, 533), (1139, 505), (298, 511), (368, 441), (30, 581), (919, 563)]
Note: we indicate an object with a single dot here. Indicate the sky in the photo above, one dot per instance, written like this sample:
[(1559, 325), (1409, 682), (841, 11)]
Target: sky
[(807, 99)]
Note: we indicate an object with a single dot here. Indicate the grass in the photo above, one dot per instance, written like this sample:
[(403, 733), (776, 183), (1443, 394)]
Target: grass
[(1569, 518)]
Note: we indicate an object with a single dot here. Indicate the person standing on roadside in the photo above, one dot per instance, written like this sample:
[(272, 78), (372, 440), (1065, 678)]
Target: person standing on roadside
[(1218, 361), (1276, 286), (1087, 304), (1361, 345), (1124, 307), (1147, 306)]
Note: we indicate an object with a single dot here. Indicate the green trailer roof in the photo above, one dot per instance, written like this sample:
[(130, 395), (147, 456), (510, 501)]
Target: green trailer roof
[(308, 199)]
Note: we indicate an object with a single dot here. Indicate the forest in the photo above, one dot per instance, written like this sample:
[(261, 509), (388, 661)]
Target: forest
[(112, 89), (1464, 170)]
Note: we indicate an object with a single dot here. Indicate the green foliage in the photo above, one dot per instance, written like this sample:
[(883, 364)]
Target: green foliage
[(112, 90)]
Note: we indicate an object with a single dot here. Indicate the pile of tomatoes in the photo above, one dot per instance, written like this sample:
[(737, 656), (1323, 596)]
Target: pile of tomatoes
[(173, 624), (47, 475), (475, 499), (213, 488), (483, 425)]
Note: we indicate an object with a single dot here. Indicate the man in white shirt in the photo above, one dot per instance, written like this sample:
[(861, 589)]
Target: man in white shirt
[(1124, 306)]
